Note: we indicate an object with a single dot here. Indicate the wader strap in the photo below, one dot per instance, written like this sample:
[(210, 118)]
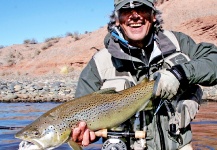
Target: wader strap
[(173, 39)]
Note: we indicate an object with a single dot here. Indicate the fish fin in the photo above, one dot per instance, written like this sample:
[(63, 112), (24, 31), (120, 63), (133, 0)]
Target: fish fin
[(143, 80), (106, 91), (147, 106), (143, 106), (74, 145)]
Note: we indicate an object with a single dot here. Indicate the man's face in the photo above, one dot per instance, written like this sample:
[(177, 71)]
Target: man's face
[(136, 22)]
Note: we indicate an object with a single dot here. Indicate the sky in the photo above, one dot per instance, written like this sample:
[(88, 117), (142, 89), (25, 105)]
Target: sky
[(41, 19)]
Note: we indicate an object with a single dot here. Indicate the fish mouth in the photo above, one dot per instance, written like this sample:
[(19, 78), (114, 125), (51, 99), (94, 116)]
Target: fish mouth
[(27, 145)]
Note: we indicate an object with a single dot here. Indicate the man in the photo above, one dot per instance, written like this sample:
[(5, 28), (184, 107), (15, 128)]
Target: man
[(137, 48)]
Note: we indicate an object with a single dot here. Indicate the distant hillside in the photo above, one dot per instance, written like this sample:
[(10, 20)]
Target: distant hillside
[(70, 54), (197, 18)]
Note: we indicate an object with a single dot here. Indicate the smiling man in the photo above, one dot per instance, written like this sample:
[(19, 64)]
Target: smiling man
[(137, 47), (136, 24)]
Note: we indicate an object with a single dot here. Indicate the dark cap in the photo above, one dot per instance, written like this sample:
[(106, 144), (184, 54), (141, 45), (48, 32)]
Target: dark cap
[(118, 4)]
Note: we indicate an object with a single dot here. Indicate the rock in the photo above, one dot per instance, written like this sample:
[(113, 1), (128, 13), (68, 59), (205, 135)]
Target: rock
[(38, 87), (67, 91), (23, 96), (17, 87), (10, 97)]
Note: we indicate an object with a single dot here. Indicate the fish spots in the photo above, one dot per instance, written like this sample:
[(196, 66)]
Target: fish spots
[(49, 129), (62, 127)]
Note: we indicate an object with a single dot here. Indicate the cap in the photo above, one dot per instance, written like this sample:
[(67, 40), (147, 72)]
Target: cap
[(118, 4)]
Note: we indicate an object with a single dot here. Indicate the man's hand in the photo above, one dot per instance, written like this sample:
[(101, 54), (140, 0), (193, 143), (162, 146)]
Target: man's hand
[(166, 84), (82, 135)]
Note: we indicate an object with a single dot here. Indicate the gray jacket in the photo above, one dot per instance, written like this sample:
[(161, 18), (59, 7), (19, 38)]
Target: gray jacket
[(202, 69)]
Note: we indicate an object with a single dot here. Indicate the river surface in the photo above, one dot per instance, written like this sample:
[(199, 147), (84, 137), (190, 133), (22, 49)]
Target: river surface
[(18, 115)]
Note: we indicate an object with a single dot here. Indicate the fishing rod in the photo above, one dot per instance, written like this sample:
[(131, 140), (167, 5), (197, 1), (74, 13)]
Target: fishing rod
[(115, 142)]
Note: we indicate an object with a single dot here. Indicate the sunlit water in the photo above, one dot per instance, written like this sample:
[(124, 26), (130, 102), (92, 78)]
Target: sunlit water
[(18, 115)]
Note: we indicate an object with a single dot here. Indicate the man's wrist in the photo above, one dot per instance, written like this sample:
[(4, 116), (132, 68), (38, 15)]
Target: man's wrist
[(179, 73)]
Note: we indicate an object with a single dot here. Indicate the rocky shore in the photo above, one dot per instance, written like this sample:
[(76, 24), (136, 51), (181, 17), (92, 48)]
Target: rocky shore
[(45, 89), (53, 89), (210, 93)]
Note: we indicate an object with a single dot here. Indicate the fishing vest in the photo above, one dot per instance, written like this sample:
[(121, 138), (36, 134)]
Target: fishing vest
[(111, 78)]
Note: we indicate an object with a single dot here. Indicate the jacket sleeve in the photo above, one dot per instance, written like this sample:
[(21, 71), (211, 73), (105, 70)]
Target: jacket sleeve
[(89, 80), (202, 69)]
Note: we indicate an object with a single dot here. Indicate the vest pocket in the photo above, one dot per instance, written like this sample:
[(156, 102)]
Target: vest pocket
[(118, 83)]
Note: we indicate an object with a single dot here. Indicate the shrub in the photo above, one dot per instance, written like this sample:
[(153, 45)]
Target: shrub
[(27, 41), (9, 62), (69, 34), (76, 36), (66, 69), (54, 39), (1, 46), (37, 52), (12, 58), (49, 44), (32, 41)]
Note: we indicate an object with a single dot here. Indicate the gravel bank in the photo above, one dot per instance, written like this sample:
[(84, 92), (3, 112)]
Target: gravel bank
[(53, 89), (43, 89)]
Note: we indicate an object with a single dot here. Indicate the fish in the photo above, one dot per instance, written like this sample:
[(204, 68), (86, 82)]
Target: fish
[(103, 109)]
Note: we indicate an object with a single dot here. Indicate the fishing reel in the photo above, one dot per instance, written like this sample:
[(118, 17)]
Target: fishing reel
[(114, 143), (116, 139)]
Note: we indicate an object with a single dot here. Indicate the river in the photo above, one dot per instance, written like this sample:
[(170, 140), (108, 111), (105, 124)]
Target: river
[(17, 115)]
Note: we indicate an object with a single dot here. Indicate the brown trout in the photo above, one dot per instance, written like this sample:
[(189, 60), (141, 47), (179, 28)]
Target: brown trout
[(103, 109)]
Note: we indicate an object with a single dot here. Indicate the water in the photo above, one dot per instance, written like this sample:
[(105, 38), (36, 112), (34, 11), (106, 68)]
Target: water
[(18, 115), (204, 127)]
